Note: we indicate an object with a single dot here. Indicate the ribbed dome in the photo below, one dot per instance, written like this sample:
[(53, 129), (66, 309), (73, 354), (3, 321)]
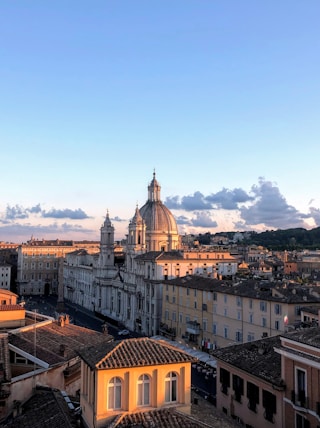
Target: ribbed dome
[(157, 217)]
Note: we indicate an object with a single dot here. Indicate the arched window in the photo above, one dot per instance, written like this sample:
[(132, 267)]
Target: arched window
[(144, 390), (171, 388), (114, 393)]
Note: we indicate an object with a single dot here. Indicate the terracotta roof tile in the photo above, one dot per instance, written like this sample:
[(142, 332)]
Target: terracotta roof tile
[(132, 353), (46, 408), (50, 338), (11, 308), (257, 358), (163, 418)]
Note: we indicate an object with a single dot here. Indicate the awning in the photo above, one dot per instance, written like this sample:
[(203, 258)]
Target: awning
[(201, 356)]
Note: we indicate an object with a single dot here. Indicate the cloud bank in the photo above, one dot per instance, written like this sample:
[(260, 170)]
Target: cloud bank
[(263, 207)]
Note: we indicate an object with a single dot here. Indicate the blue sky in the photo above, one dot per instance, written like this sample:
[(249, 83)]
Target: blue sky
[(220, 98)]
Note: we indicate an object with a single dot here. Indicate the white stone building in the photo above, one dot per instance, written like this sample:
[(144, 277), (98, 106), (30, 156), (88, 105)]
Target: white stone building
[(131, 295)]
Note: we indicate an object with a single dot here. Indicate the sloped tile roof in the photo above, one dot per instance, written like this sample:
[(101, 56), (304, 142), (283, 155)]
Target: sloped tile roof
[(46, 408), (11, 308), (51, 337), (162, 418), (307, 336), (133, 353), (257, 358)]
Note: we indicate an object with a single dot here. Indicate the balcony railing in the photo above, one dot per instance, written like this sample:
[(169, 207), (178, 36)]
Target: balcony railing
[(299, 399), (193, 327)]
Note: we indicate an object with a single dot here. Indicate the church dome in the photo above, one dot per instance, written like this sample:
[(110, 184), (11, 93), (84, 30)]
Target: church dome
[(157, 217)]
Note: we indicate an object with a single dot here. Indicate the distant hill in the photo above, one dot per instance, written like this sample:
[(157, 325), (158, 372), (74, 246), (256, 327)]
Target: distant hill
[(288, 239)]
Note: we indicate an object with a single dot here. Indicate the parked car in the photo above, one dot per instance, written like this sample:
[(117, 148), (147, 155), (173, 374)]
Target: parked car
[(123, 332)]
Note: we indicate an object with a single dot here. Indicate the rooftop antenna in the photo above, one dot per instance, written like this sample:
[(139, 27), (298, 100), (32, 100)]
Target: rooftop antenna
[(34, 349)]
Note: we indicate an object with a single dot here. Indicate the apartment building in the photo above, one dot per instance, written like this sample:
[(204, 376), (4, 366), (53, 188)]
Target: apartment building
[(250, 388), (300, 369), (272, 382), (210, 313), (40, 264)]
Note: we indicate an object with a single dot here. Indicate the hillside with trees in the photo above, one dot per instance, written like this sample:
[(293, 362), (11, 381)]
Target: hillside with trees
[(288, 239)]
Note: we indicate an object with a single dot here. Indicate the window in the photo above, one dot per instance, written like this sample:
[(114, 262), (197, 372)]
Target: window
[(225, 298), (238, 336), (224, 380), (237, 384), (251, 318), (263, 306), (250, 337), (204, 325), (253, 396), (144, 390), (171, 388), (302, 422), (300, 388), (214, 295), (114, 393), (225, 332), (214, 328), (297, 310), (239, 301), (277, 309), (277, 325), (239, 315), (269, 403), (264, 322)]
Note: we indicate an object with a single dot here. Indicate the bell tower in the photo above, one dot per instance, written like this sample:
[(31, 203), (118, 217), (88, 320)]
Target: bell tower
[(107, 243), (137, 233)]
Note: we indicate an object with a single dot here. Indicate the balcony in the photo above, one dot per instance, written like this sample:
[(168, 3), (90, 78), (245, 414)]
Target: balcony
[(299, 399), (193, 327), (167, 331)]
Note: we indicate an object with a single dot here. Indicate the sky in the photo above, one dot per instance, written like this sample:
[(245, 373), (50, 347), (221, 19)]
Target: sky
[(219, 98)]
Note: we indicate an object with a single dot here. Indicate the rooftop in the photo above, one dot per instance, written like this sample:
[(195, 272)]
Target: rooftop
[(46, 408), (266, 290), (307, 336), (56, 343), (257, 358), (132, 353)]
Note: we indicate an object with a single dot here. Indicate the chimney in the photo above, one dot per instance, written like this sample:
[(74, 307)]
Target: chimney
[(66, 319), (61, 321), (105, 328)]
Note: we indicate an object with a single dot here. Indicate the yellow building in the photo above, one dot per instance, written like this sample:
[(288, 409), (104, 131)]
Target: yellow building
[(12, 315), (209, 313), (133, 376)]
